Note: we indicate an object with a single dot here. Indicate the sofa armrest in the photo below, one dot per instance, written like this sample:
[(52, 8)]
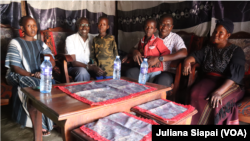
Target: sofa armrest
[(66, 57), (62, 63), (52, 60), (175, 63), (175, 66), (192, 76)]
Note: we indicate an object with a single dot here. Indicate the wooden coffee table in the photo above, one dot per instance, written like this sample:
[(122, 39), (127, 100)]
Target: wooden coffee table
[(69, 113)]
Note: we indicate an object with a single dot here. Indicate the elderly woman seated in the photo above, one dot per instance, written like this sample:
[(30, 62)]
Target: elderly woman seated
[(217, 92)]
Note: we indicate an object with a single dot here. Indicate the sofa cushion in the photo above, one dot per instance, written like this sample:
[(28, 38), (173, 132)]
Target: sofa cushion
[(192, 41), (245, 45), (5, 92), (60, 41), (244, 110), (187, 38), (56, 41), (49, 40), (7, 34)]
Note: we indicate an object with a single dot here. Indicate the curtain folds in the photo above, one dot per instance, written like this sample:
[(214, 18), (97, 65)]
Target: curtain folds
[(65, 14), (128, 17), (237, 11), (10, 12), (189, 16)]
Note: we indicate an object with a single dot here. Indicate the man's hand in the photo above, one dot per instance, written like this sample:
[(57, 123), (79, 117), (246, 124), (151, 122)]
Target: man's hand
[(125, 59), (152, 61), (98, 71), (137, 56), (157, 65)]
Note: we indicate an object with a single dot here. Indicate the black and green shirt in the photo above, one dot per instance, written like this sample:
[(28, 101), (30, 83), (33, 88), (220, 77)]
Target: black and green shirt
[(103, 52)]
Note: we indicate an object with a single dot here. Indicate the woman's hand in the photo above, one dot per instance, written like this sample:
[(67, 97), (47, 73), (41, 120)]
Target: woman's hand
[(186, 69), (137, 56), (36, 75), (215, 99)]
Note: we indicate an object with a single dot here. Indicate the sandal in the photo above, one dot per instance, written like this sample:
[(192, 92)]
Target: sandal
[(46, 133)]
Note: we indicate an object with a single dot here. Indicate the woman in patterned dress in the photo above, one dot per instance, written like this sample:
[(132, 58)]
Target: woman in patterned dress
[(23, 63), (215, 95)]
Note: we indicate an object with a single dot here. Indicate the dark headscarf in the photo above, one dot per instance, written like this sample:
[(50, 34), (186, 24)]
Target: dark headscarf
[(227, 24)]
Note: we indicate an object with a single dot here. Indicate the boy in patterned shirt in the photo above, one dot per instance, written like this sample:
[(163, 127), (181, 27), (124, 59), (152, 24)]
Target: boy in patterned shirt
[(104, 49)]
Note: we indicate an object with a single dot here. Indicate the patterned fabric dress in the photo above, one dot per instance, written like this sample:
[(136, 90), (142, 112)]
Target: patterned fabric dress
[(26, 55), (103, 52), (218, 65)]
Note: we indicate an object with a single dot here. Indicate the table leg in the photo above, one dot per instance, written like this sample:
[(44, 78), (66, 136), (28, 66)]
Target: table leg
[(36, 118), (65, 131)]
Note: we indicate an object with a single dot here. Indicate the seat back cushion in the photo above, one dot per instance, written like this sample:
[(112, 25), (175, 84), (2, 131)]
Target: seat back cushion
[(244, 105), (7, 34), (187, 38), (56, 41), (245, 45), (60, 41)]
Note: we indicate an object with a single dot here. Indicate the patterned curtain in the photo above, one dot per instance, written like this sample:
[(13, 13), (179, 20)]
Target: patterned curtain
[(10, 12), (190, 16), (64, 14), (237, 11)]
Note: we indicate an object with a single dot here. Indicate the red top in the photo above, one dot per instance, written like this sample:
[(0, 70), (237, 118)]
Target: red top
[(155, 47)]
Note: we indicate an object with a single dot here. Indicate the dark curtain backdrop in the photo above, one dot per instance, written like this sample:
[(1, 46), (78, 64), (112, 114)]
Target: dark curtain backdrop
[(237, 11), (10, 13), (190, 16), (66, 13), (128, 16)]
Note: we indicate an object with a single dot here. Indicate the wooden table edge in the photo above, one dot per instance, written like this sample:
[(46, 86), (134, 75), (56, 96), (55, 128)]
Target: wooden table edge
[(63, 117), (161, 121)]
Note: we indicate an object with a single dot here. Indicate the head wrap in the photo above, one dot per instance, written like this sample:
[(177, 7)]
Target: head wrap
[(227, 24)]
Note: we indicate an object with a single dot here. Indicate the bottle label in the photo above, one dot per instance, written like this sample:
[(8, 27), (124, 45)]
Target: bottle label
[(46, 71), (117, 66), (144, 70)]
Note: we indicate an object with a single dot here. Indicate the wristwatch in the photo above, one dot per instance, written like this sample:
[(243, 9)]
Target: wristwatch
[(161, 58)]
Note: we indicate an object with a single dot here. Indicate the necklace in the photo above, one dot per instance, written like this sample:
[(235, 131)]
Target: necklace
[(84, 47)]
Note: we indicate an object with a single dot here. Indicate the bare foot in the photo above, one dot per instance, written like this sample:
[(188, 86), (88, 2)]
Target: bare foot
[(45, 132)]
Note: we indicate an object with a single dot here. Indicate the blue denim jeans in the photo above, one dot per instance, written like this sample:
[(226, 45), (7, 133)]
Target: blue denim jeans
[(151, 76)]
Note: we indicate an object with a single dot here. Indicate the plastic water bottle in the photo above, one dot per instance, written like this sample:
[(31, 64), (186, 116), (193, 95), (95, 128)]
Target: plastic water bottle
[(117, 68), (143, 72), (46, 76)]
